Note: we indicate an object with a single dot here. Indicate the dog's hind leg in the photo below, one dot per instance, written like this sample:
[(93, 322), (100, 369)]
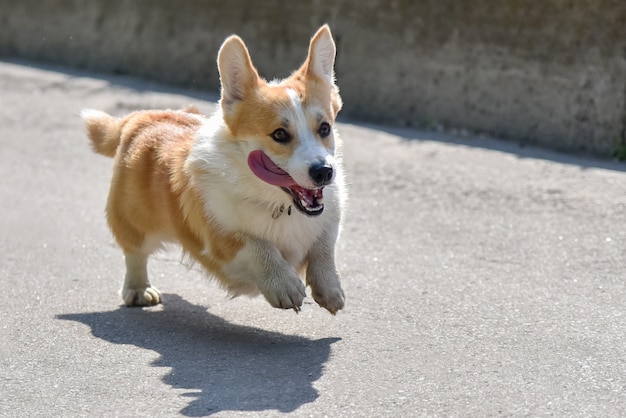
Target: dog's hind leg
[(137, 290), (137, 247)]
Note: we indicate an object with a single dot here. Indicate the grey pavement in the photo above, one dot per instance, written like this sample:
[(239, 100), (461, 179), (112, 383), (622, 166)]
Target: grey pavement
[(482, 279)]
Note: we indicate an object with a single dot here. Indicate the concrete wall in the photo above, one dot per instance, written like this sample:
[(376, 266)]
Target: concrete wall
[(551, 72)]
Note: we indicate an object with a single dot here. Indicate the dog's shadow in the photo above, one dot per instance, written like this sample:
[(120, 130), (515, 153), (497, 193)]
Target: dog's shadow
[(225, 367)]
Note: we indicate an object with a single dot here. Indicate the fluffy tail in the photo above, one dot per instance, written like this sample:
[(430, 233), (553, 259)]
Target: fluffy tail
[(103, 130)]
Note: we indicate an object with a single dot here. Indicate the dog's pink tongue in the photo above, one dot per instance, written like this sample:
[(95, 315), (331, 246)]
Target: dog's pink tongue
[(265, 169)]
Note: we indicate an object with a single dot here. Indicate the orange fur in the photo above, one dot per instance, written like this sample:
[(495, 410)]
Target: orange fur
[(150, 192)]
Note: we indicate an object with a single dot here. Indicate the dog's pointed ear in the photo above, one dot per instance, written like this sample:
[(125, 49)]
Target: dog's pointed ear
[(320, 64), (321, 59), (237, 74)]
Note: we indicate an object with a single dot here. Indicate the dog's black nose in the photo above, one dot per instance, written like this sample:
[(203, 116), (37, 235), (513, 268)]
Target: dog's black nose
[(321, 174)]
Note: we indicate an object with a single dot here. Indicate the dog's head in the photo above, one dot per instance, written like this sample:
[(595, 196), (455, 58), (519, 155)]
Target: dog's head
[(287, 126)]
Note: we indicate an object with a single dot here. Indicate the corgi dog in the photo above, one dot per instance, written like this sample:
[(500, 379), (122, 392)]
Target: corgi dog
[(253, 193)]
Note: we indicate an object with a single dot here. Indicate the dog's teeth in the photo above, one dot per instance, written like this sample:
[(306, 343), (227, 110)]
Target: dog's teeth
[(304, 203)]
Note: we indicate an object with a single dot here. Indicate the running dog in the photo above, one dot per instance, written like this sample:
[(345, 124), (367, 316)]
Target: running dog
[(253, 193)]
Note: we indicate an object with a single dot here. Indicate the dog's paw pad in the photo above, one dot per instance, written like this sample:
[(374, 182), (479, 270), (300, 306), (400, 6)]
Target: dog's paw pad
[(143, 296)]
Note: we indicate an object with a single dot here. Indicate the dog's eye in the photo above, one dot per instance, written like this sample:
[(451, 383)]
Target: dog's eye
[(324, 130), (281, 135)]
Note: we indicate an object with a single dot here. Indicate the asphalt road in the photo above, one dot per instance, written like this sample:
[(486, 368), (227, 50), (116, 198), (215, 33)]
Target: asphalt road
[(482, 279)]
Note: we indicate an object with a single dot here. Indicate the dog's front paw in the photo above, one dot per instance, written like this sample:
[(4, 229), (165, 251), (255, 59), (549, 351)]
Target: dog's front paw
[(285, 294), (142, 296), (326, 288), (331, 298)]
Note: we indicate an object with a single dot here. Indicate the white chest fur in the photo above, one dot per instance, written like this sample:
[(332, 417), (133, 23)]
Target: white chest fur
[(241, 203)]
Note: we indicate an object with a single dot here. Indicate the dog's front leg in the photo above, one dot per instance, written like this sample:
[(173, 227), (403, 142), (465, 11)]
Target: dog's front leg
[(261, 262), (322, 274)]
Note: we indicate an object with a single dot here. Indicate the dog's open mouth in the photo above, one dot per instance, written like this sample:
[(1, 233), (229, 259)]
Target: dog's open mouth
[(308, 201)]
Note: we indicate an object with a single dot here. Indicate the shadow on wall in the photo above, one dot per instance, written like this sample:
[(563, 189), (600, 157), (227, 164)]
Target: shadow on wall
[(226, 367), (520, 150)]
